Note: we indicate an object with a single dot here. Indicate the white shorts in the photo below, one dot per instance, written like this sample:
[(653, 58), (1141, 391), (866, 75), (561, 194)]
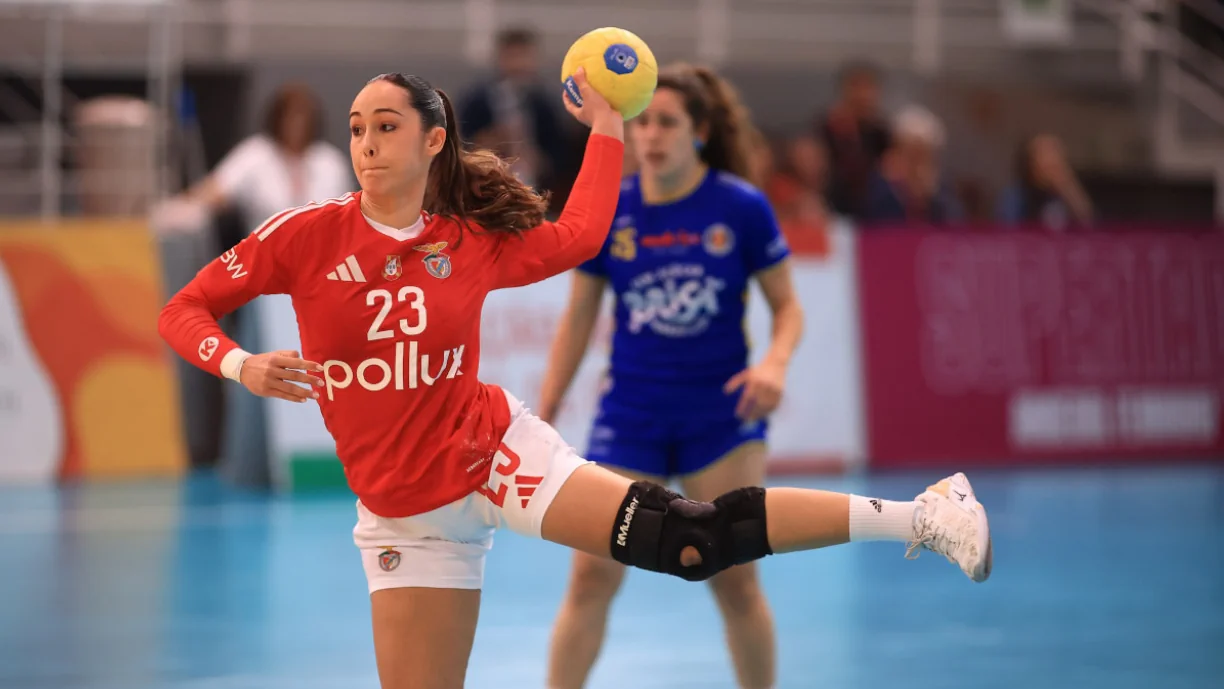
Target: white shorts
[(446, 548)]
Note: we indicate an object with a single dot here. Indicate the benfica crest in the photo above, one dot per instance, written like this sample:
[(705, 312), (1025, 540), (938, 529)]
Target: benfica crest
[(389, 559), (437, 263), (394, 268)]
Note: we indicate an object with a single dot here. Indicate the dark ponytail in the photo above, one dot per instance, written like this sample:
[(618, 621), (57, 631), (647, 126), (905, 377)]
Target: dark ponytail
[(713, 103), (468, 186)]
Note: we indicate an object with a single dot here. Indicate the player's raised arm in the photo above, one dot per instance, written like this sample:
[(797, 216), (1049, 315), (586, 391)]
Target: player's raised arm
[(257, 265), (555, 247)]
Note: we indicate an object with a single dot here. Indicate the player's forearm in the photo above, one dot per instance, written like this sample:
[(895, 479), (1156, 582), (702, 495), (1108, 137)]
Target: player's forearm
[(787, 331), (565, 356), (591, 206), (189, 326)]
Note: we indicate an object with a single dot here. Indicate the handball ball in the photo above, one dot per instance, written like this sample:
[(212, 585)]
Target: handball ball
[(619, 65)]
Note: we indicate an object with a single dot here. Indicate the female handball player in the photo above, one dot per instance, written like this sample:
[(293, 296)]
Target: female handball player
[(679, 400)]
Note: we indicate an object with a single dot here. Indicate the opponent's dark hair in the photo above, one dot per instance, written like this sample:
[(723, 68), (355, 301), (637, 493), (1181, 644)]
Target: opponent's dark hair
[(713, 102), (468, 186)]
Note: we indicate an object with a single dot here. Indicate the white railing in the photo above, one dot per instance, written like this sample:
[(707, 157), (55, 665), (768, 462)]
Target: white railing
[(1185, 75), (920, 32)]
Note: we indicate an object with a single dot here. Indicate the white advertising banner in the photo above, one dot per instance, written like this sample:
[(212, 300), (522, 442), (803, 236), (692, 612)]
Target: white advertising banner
[(30, 422)]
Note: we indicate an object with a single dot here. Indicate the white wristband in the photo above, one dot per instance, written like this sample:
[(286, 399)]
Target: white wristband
[(231, 363)]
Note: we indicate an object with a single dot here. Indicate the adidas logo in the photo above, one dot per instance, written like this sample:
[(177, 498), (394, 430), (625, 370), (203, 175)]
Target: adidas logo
[(527, 487), (876, 504), (348, 271)]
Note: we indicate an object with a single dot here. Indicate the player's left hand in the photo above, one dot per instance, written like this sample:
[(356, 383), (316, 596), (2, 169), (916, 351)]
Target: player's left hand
[(761, 393)]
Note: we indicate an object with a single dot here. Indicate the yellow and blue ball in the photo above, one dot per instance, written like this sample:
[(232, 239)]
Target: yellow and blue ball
[(619, 65)]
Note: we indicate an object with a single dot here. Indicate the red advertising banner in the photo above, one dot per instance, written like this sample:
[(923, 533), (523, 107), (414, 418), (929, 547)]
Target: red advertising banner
[(1005, 346)]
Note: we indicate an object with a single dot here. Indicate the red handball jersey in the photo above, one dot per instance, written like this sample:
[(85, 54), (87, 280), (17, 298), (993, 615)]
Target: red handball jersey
[(394, 319)]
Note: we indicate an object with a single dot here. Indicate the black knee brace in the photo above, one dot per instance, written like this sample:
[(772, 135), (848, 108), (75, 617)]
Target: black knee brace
[(654, 525)]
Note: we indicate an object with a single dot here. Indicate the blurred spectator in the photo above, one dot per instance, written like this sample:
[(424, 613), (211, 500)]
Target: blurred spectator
[(513, 114), (1046, 192), (285, 165), (909, 186), (796, 189), (977, 150), (762, 162), (856, 136)]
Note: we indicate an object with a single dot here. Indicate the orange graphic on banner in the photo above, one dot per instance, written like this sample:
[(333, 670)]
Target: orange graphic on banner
[(88, 295)]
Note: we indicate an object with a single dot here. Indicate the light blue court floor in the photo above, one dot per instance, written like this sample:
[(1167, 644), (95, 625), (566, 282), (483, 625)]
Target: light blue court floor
[(1103, 578)]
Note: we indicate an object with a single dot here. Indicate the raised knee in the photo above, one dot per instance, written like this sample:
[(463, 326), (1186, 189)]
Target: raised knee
[(595, 581), (654, 525)]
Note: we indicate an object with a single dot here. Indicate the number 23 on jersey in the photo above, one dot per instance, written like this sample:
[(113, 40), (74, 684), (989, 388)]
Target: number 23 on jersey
[(409, 368)]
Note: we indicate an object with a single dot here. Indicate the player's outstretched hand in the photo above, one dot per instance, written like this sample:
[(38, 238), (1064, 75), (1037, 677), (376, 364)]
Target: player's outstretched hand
[(595, 112), (274, 374), (762, 390)]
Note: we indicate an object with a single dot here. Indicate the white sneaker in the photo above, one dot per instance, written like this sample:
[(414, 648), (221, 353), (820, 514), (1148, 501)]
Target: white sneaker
[(951, 522)]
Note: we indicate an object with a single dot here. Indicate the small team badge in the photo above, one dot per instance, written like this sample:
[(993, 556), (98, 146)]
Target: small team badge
[(437, 263), (718, 240), (388, 559), (394, 268)]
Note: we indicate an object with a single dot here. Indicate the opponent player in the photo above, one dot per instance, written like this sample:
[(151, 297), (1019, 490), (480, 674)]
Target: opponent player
[(388, 285), (680, 400)]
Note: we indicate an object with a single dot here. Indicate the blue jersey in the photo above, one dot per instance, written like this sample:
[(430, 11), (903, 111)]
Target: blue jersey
[(680, 272)]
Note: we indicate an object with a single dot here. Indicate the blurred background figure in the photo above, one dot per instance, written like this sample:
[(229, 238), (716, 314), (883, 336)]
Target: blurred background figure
[(797, 188), (1046, 192), (909, 185), (512, 113), (856, 135), (286, 164)]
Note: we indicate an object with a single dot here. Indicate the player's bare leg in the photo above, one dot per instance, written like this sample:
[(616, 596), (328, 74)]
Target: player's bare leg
[(596, 510), (578, 632), (586, 507), (747, 620), (423, 636)]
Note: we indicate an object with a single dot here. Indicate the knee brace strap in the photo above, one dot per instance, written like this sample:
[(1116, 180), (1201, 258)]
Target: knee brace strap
[(654, 525)]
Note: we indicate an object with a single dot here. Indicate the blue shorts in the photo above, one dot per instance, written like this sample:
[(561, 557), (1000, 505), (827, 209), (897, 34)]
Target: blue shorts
[(667, 446)]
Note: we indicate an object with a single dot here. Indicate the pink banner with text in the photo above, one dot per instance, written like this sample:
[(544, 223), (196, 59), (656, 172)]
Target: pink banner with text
[(1012, 346)]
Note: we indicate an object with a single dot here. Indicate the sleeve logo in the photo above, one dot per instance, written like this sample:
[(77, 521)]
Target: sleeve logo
[(208, 348), (777, 247), (232, 266)]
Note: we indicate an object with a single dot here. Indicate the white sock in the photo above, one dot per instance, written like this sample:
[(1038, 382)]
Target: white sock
[(873, 519)]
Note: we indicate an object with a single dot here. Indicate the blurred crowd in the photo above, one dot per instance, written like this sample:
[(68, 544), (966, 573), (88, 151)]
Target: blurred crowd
[(854, 160), (880, 169)]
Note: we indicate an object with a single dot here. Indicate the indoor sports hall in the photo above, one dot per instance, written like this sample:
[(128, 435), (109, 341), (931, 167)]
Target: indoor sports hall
[(1006, 230)]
